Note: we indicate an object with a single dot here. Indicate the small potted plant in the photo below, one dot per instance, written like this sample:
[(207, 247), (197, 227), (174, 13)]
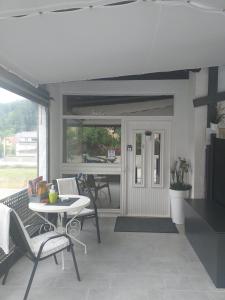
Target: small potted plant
[(179, 188)]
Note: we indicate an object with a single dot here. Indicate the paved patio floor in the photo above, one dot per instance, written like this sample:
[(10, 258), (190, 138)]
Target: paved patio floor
[(125, 266)]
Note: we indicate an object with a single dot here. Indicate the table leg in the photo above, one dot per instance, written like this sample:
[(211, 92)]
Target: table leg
[(60, 229), (69, 224)]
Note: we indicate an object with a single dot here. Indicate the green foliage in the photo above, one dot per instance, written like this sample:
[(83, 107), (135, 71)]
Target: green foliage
[(92, 140), (97, 140), (179, 174), (17, 116)]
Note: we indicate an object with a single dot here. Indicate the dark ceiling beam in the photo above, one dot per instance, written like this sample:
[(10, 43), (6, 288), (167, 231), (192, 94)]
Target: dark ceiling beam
[(172, 75), (15, 84), (220, 96), (87, 100), (212, 93)]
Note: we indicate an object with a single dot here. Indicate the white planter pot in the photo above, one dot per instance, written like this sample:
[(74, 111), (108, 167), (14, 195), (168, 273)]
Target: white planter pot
[(214, 128), (177, 205)]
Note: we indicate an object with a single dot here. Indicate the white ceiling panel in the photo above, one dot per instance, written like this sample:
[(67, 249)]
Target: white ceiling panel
[(136, 38), (189, 38)]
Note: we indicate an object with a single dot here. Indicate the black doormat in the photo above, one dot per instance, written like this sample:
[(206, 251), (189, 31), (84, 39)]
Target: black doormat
[(137, 224)]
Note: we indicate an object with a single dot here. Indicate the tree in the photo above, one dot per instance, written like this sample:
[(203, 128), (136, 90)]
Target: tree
[(17, 116)]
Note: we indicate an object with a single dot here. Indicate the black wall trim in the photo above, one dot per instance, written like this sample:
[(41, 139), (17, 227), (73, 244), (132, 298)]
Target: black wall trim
[(14, 84), (172, 75), (205, 100)]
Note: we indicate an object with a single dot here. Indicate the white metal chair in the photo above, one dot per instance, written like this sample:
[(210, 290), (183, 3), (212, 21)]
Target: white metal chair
[(39, 247)]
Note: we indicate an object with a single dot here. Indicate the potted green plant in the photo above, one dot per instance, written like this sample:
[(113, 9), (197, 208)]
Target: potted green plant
[(179, 188)]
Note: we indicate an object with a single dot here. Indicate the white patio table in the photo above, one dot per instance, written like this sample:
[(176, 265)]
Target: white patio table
[(75, 208)]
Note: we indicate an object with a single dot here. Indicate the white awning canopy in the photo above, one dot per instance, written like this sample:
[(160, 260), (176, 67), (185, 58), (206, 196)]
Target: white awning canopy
[(105, 41)]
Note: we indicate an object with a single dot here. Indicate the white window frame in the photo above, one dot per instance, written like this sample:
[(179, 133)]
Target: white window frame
[(162, 143), (143, 147)]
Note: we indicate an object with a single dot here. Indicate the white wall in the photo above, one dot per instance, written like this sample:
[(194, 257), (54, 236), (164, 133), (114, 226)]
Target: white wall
[(183, 121), (221, 79), (200, 82), (188, 126)]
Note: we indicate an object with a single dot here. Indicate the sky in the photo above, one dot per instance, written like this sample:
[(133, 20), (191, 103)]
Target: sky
[(7, 97)]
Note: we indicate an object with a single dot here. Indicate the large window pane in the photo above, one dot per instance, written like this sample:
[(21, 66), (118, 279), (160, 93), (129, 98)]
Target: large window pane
[(19, 120), (90, 142)]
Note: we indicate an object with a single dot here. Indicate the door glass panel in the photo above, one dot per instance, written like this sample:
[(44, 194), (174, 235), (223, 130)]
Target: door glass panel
[(139, 172), (157, 159)]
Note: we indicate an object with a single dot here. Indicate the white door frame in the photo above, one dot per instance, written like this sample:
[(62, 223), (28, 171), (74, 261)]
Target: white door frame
[(124, 167)]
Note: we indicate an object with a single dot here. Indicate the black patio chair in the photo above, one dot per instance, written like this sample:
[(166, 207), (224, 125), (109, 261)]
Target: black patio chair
[(97, 184)]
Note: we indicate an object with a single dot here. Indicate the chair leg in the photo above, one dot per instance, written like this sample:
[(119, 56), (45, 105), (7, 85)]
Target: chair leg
[(55, 259), (97, 227), (81, 223), (10, 263), (5, 277), (110, 199), (75, 262), (31, 279)]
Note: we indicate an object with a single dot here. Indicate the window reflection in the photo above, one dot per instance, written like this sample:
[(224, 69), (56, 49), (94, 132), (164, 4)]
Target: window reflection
[(157, 158), (138, 159)]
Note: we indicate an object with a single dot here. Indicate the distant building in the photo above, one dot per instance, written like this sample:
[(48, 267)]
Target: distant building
[(26, 143)]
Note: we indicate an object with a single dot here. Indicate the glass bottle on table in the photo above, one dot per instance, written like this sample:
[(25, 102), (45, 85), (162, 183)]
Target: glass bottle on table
[(53, 195)]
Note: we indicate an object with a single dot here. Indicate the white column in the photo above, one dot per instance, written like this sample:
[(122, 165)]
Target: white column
[(55, 147), (42, 141), (200, 125)]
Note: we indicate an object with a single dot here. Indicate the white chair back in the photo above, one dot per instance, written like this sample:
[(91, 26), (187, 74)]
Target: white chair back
[(67, 186)]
